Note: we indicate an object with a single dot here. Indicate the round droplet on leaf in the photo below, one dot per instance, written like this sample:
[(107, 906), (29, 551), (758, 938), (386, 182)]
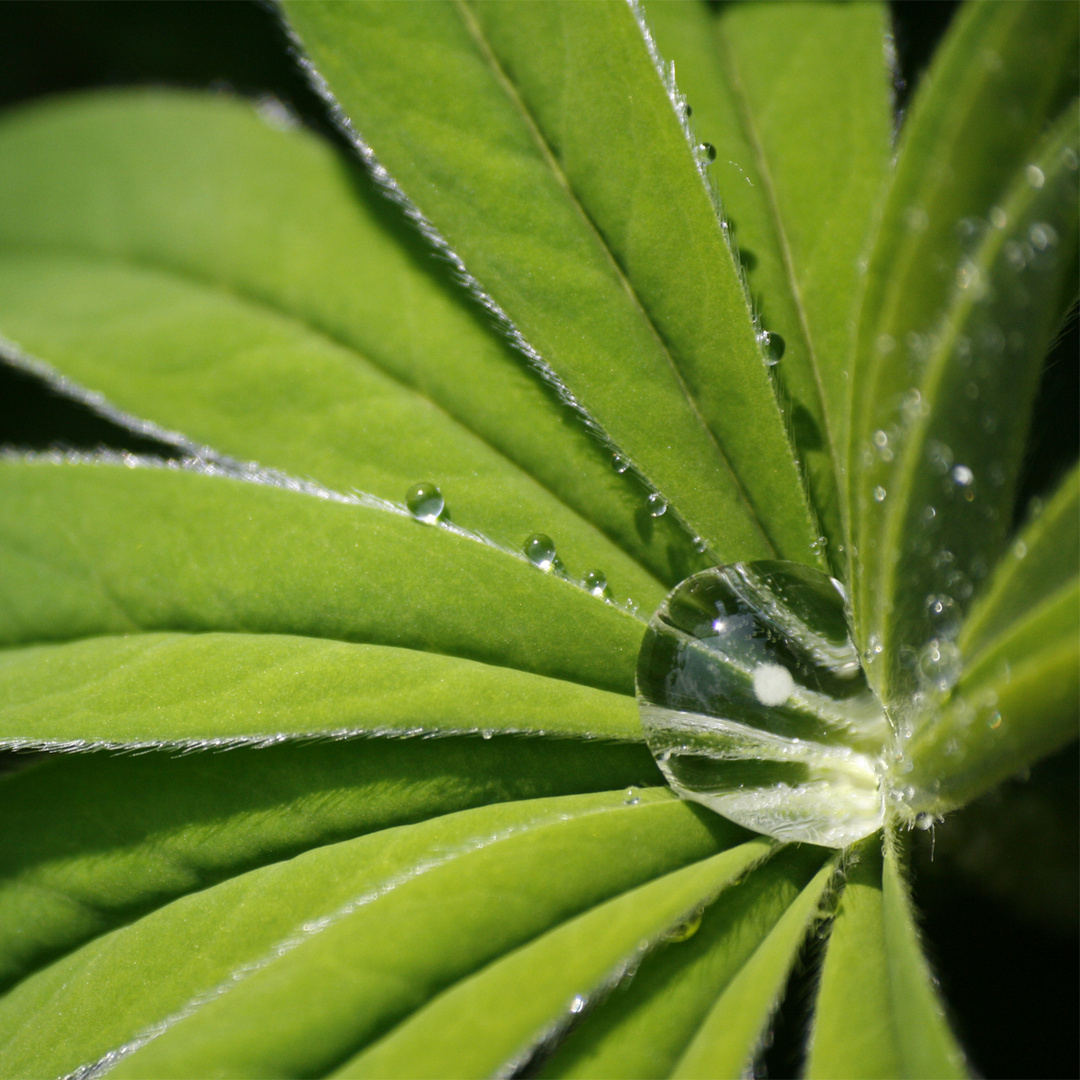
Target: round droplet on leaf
[(772, 345), (707, 151), (596, 582), (754, 703), (656, 504), (540, 551), (425, 502), (619, 463)]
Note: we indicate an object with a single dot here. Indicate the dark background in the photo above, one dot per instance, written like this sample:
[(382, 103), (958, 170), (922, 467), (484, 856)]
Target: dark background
[(999, 888)]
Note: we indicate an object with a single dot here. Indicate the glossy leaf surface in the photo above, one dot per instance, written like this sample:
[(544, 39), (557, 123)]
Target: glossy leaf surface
[(583, 272)]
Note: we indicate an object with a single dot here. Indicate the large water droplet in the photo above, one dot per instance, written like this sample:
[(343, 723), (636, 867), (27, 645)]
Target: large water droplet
[(540, 551), (754, 703), (656, 505), (425, 502)]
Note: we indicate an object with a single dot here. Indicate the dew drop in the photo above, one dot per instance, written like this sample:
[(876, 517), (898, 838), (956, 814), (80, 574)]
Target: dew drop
[(700, 544), (686, 929), (1020, 550), (656, 504), (687, 111), (879, 494), (707, 152), (631, 798), (998, 218), (1035, 176), (944, 615), (939, 665), (619, 463), (754, 703), (540, 551), (596, 582), (772, 345), (962, 476), (578, 1004), (924, 821), (425, 502)]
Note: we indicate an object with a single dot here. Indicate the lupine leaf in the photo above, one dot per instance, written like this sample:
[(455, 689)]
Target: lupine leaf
[(455, 101), (877, 1011), (491, 1022), (729, 1037), (183, 190), (758, 77), (957, 318), (642, 1030), (100, 549), (368, 917), (165, 825)]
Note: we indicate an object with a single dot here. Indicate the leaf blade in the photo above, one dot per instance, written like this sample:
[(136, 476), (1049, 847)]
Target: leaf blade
[(596, 337)]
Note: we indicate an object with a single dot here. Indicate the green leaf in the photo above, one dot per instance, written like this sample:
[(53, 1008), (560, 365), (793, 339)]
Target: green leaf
[(186, 200), (183, 690), (99, 549), (975, 264), (758, 77), (164, 825), (1016, 699), (363, 932), (1016, 703), (642, 1030), (877, 1012), (1042, 558), (490, 1024), (730, 1036), (582, 214)]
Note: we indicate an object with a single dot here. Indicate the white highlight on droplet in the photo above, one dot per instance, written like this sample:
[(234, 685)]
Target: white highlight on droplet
[(773, 684)]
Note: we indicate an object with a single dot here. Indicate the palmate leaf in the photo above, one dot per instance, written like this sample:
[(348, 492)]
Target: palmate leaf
[(517, 892)]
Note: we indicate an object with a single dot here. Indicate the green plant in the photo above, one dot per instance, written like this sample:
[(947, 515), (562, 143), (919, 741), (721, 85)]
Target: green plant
[(385, 905)]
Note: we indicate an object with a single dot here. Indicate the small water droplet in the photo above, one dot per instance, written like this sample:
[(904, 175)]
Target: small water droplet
[(687, 111), (632, 606), (656, 505), (994, 721), (425, 502), (1035, 176), (885, 344), (686, 929), (578, 1004), (631, 798), (879, 494), (940, 664), (700, 545), (924, 821), (748, 686), (707, 152), (998, 218), (1069, 159), (540, 551), (944, 615), (487, 735), (1042, 236), (962, 476), (1020, 550), (772, 345), (619, 463), (596, 582)]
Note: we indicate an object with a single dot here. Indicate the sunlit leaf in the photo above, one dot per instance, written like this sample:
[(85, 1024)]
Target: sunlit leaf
[(580, 211)]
